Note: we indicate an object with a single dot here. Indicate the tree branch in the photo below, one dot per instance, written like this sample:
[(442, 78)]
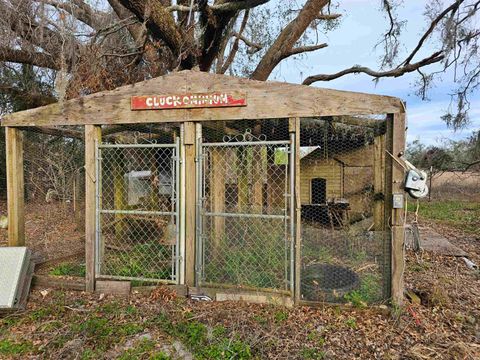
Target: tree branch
[(254, 46), (328, 16), (287, 38), (302, 49), (471, 164), (451, 8), (162, 26), (28, 57), (434, 58), (223, 7), (24, 26), (79, 10), (137, 31), (234, 49)]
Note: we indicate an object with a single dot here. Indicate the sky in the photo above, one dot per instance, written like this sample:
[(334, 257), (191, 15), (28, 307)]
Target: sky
[(353, 43)]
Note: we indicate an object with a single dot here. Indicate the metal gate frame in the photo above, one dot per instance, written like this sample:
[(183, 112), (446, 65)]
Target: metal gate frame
[(176, 272), (288, 216)]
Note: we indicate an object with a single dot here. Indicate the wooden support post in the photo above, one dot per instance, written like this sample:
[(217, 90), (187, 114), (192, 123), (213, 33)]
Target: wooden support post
[(189, 141), (15, 187), (217, 190), (395, 175), (379, 183), (93, 135), (294, 127)]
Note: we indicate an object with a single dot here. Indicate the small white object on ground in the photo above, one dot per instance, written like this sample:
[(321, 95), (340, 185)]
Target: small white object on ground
[(470, 263)]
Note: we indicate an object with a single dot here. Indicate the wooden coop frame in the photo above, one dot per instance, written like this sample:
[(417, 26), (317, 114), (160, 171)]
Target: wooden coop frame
[(264, 100)]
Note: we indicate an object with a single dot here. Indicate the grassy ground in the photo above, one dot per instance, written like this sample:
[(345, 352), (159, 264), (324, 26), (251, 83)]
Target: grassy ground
[(464, 215), (159, 325)]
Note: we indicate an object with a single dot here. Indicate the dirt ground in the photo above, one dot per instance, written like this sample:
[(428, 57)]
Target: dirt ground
[(51, 230), (159, 325)]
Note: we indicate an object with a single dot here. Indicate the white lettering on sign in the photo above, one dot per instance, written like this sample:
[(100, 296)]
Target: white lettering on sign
[(174, 101)]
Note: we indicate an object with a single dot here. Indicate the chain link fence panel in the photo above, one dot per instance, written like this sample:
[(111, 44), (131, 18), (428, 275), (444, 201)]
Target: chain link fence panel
[(138, 211)]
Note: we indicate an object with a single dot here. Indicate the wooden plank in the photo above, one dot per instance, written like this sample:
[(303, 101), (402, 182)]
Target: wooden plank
[(113, 287), (93, 134), (395, 175), (255, 298), (190, 202), (398, 264), (54, 282), (15, 187), (266, 100), (295, 124), (379, 183)]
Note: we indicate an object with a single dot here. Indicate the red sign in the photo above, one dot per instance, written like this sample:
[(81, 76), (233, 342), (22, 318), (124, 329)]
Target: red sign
[(188, 101)]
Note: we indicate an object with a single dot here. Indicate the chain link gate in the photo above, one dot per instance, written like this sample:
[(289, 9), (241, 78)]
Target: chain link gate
[(245, 208), (137, 227)]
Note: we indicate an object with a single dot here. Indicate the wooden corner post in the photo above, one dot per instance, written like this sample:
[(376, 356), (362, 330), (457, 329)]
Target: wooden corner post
[(93, 135), (395, 175), (15, 187), (189, 142)]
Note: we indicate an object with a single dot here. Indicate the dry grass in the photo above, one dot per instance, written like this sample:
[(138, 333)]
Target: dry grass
[(456, 185)]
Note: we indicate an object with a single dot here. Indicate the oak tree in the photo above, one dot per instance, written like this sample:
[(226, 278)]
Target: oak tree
[(78, 47)]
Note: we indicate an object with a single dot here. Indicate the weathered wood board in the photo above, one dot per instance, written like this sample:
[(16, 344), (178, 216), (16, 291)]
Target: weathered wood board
[(266, 100), (113, 287)]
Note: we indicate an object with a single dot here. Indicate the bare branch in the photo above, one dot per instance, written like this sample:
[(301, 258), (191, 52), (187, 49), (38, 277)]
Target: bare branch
[(328, 16), (137, 31), (452, 8), (23, 24), (234, 49), (28, 57), (434, 58), (223, 7), (288, 38), (79, 10), (302, 49), (471, 164), (162, 26), (253, 45)]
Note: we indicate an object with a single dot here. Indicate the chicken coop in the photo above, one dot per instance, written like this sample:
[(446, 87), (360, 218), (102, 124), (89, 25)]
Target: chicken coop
[(228, 187)]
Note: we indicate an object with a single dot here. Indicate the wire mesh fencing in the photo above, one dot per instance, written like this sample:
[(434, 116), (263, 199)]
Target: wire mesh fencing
[(245, 214), (245, 227), (138, 211), (54, 195), (345, 245)]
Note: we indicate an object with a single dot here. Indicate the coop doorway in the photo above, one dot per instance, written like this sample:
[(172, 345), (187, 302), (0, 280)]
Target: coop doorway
[(319, 191), (137, 226)]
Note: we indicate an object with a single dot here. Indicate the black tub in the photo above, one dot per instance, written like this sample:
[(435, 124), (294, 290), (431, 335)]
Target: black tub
[(328, 282)]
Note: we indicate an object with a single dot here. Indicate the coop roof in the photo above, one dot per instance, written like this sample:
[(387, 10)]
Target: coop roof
[(264, 100)]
